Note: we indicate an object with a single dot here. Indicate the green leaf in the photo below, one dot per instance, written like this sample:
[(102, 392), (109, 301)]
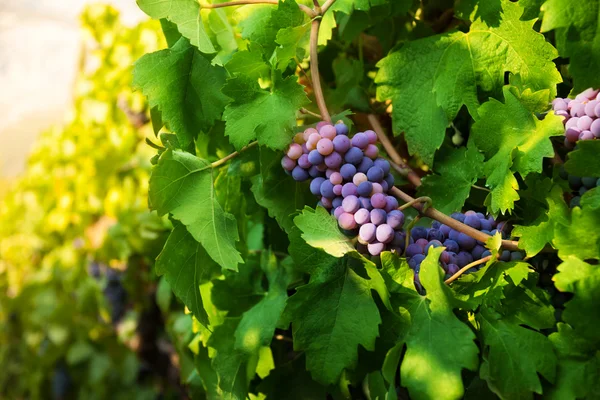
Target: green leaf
[(298, 383), (456, 172), (249, 63), (514, 141), (183, 84), (293, 44), (581, 312), (444, 71), (439, 345), (330, 317), (534, 237), (584, 160), (513, 357), (577, 38), (320, 230), (246, 117), (186, 15), (579, 237), (170, 31), (258, 324), (182, 184), (306, 258), (185, 265), (280, 195)]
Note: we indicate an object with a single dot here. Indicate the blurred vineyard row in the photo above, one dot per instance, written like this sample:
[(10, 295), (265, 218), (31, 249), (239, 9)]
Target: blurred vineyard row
[(78, 297)]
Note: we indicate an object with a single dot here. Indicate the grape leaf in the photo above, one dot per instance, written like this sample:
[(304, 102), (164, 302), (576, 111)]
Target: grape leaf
[(186, 15), (276, 192), (249, 62), (534, 237), (331, 316), (258, 324), (581, 312), (306, 258), (185, 265), (456, 172), (293, 43), (578, 366), (320, 230), (584, 160), (513, 140), (224, 35), (170, 31), (298, 383), (268, 116), (438, 344), (577, 38), (513, 357), (182, 184), (444, 71), (183, 84), (579, 236)]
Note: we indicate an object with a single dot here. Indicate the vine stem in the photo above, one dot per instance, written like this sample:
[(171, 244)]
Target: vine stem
[(305, 111), (223, 160), (451, 222), (402, 168), (465, 268), (314, 69), (304, 8), (423, 199), (326, 6)]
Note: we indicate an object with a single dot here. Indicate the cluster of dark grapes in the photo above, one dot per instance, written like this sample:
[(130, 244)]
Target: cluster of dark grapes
[(579, 186), (116, 295), (581, 116), (351, 181), (61, 382), (461, 249)]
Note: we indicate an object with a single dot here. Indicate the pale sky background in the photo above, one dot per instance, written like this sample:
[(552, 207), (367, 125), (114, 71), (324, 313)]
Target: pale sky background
[(39, 50)]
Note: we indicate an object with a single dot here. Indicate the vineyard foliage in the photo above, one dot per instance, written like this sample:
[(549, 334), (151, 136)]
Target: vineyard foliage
[(262, 295)]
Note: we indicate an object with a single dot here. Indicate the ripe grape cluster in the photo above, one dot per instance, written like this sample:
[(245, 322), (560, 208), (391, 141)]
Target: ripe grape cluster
[(351, 181), (461, 249), (581, 116), (579, 186)]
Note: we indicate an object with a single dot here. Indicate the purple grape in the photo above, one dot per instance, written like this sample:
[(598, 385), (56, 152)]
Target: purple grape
[(337, 190), (360, 140), (299, 174), (322, 124), (571, 123), (349, 189), (375, 174), (433, 243), (287, 163), (315, 186), (458, 216), (464, 258), (436, 225), (315, 157), (314, 171), (453, 235), (372, 136), (346, 221), (486, 253), (383, 164), (453, 268), (418, 232), (577, 109), (354, 156), (575, 182), (466, 241), (371, 151), (303, 161), (477, 252), (365, 189), (472, 221), (451, 246), (328, 131), (337, 202), (445, 257), (326, 189), (365, 202), (413, 249), (385, 233), (504, 256), (485, 225), (399, 239), (367, 232), (597, 110), (395, 219), (326, 202), (422, 242), (341, 128), (584, 123), (377, 188), (376, 248), (351, 204), (415, 262), (559, 104), (595, 127), (435, 234), (348, 171), (365, 165), (391, 203), (445, 229), (336, 178), (334, 160), (586, 135), (325, 146), (516, 256), (389, 179), (590, 108), (359, 178), (362, 216), (378, 216), (572, 134), (384, 186), (341, 144), (378, 200)]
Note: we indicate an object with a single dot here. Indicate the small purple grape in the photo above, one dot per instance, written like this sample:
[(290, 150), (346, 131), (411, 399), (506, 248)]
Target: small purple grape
[(477, 252), (383, 164), (326, 189), (360, 140), (418, 232), (328, 131), (422, 242), (303, 161), (338, 211), (395, 219), (472, 221), (354, 156), (348, 171), (466, 241), (375, 174), (299, 174), (378, 216), (314, 172), (346, 221), (315, 157), (371, 136), (349, 189), (454, 235), (341, 128), (413, 249), (451, 246), (464, 258), (453, 268), (337, 190), (315, 186), (433, 243), (376, 248), (362, 216), (326, 202), (287, 163), (415, 262), (365, 165), (385, 233), (371, 151), (341, 144), (365, 189), (365, 202), (336, 202), (378, 200), (351, 204), (367, 232), (389, 179), (334, 160)]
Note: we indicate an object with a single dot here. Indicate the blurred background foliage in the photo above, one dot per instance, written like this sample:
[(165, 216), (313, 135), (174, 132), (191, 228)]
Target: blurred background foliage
[(78, 315)]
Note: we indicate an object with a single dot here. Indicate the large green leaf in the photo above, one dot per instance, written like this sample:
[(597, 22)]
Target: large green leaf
[(182, 184), (183, 84), (584, 160), (320, 230)]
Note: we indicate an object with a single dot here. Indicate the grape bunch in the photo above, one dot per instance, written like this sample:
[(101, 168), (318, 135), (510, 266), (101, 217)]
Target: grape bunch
[(461, 249), (116, 295), (351, 181), (578, 185), (581, 116)]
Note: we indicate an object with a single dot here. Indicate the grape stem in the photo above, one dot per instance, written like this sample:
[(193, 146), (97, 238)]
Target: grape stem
[(408, 230), (311, 13), (451, 222), (400, 166), (305, 111), (466, 268), (314, 69), (326, 6), (481, 188), (423, 199), (223, 160)]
